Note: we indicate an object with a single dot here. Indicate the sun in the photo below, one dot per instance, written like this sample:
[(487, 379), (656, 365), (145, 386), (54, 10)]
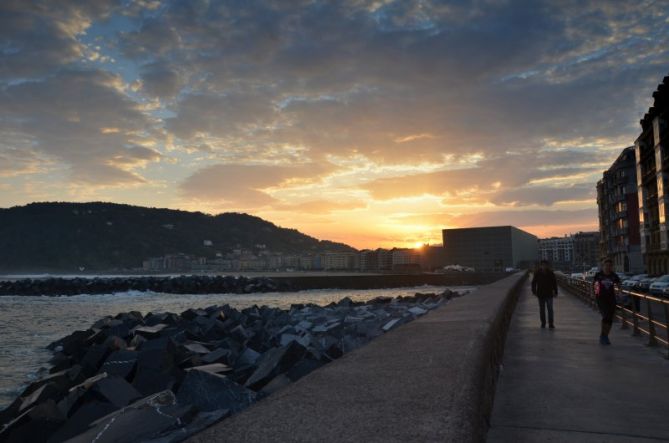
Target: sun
[(418, 245)]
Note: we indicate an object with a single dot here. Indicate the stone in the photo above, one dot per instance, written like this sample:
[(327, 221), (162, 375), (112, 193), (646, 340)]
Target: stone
[(216, 368), (78, 422), (61, 365), (327, 327), (241, 334), (248, 357), (72, 342), (115, 343), (120, 363), (389, 325), (274, 362), (34, 425), (149, 332), (156, 371), (277, 383), (287, 338), (345, 302), (116, 391), (303, 368), (191, 314), (196, 348), (416, 310), (219, 355), (45, 392), (145, 419), (304, 325), (154, 319), (137, 341), (209, 391), (94, 358)]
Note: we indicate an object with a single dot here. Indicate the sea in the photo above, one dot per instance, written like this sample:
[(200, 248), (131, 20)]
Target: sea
[(29, 323)]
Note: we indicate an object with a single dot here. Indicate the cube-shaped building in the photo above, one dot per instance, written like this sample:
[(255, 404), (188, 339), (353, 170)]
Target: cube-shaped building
[(490, 249)]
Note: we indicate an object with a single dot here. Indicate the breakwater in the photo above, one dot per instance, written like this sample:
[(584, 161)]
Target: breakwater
[(170, 375), (205, 284)]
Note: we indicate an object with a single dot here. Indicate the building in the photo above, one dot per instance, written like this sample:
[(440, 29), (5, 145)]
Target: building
[(340, 261), (559, 251), (586, 250), (490, 249), (618, 208), (652, 168), (432, 257), (369, 260)]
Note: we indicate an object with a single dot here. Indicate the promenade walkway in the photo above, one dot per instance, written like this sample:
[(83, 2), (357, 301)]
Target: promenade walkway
[(562, 386)]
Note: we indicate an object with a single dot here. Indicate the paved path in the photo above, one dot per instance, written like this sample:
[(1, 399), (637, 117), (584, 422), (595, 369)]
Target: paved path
[(562, 386)]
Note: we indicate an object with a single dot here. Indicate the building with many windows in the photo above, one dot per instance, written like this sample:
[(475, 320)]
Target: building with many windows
[(652, 170), (618, 208), (586, 250), (559, 251)]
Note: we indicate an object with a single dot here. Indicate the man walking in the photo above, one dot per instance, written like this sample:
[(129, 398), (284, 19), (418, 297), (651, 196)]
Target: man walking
[(604, 288), (544, 286)]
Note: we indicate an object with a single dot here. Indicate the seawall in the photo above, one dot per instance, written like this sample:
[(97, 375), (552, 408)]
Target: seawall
[(430, 380), (211, 284)]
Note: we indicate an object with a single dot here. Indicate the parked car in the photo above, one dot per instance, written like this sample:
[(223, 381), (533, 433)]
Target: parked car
[(665, 292), (644, 284), (578, 275), (632, 282), (659, 285)]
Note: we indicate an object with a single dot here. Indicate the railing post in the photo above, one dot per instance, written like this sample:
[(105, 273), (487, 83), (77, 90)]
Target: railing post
[(652, 341), (623, 312), (635, 318), (666, 324)]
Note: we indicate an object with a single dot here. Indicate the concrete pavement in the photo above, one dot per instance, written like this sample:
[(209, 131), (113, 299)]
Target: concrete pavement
[(562, 386)]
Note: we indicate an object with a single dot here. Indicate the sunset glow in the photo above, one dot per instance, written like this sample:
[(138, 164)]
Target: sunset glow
[(377, 124)]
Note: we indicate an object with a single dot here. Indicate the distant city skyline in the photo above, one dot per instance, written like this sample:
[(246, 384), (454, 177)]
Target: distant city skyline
[(372, 123)]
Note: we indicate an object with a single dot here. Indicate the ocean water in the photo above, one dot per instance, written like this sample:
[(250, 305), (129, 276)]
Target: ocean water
[(29, 324)]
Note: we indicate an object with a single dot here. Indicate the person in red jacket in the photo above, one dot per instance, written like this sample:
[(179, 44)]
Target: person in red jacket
[(544, 286), (604, 287)]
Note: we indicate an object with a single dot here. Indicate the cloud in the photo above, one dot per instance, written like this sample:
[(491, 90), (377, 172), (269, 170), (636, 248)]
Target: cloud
[(242, 185), (320, 206), (307, 106), (502, 179), (41, 36), (488, 76), (16, 162), (532, 218), (544, 195), (67, 116), (160, 80)]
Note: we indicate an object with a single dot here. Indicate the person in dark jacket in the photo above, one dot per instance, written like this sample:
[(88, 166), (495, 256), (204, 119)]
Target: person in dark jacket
[(544, 286), (604, 287)]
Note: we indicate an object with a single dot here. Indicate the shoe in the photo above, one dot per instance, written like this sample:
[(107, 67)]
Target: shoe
[(604, 340), (551, 326), (543, 326)]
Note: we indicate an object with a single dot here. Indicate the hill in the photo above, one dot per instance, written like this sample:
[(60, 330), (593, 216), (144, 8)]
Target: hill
[(107, 236)]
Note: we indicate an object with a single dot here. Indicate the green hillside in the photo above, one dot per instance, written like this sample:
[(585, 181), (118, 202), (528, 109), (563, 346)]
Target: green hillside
[(107, 236)]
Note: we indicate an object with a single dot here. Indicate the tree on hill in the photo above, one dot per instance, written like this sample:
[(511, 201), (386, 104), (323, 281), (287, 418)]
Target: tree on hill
[(104, 236)]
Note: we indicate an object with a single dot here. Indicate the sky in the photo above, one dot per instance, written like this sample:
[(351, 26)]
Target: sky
[(375, 123)]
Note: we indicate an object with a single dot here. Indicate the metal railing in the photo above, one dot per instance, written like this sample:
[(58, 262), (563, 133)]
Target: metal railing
[(630, 310)]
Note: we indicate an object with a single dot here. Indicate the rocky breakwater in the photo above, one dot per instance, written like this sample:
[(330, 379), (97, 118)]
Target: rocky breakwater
[(163, 376), (185, 284)]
